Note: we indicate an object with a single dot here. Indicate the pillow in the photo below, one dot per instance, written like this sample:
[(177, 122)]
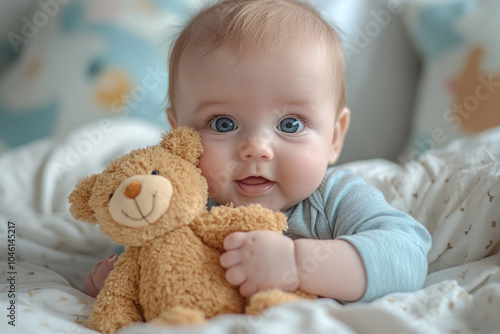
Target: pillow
[(459, 92), (80, 61)]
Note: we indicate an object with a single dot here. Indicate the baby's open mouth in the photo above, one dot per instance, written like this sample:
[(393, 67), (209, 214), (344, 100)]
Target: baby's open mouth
[(255, 185), (252, 180)]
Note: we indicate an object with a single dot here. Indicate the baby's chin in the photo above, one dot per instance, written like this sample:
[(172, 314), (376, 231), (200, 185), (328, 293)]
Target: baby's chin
[(266, 203)]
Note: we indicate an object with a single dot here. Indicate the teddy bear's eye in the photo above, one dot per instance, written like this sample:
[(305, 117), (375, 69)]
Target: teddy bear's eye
[(155, 172), (110, 195)]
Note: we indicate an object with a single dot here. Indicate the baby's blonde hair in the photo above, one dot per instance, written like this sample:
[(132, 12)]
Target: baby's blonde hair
[(259, 25)]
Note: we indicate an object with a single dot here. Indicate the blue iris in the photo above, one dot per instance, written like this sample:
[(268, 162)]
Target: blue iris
[(290, 125), (223, 124)]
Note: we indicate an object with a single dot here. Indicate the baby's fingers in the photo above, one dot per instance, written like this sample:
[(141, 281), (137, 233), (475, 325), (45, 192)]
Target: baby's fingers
[(236, 275), (234, 240), (247, 289), (230, 258)]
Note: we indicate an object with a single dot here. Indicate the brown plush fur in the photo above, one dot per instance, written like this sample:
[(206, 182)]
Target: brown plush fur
[(170, 271)]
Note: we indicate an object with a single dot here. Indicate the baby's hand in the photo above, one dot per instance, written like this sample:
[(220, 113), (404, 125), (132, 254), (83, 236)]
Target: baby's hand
[(95, 279), (260, 260)]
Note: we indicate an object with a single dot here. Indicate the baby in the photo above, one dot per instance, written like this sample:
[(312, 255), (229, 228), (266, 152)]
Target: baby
[(263, 83)]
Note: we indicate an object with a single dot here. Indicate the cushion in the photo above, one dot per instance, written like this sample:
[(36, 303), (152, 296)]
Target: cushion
[(80, 61), (459, 91)]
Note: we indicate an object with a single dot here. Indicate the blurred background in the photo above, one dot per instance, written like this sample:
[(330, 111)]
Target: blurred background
[(420, 73)]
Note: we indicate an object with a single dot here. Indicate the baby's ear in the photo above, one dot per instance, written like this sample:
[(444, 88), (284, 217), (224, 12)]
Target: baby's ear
[(184, 142), (80, 197)]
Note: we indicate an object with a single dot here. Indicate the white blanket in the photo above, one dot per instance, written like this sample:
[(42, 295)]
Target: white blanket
[(454, 192)]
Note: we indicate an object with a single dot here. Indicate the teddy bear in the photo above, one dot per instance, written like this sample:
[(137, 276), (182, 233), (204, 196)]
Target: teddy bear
[(154, 202)]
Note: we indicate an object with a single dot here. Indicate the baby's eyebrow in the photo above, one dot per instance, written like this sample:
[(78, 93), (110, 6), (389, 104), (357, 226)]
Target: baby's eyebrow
[(302, 103), (209, 103), (297, 102)]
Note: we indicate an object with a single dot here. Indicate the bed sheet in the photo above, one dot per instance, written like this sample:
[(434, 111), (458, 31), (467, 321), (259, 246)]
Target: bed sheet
[(455, 192)]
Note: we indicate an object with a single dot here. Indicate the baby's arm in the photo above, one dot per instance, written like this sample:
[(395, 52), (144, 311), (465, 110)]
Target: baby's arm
[(330, 268), (262, 260)]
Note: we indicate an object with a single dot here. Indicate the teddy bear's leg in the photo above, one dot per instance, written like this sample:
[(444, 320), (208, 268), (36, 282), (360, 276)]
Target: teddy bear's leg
[(265, 299), (179, 315)]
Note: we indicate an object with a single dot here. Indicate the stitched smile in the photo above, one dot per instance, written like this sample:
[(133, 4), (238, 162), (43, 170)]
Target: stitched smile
[(143, 216)]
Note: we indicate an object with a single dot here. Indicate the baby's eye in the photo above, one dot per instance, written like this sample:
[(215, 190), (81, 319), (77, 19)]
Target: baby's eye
[(223, 124), (290, 125), (155, 172)]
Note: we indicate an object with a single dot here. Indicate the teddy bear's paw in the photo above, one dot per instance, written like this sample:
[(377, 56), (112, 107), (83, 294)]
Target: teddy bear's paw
[(265, 299), (179, 315)]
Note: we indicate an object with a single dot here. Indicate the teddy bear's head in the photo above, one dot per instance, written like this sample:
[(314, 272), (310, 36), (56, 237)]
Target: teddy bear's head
[(147, 192)]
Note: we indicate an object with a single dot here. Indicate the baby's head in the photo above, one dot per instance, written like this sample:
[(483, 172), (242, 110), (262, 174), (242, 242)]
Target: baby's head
[(263, 83), (250, 26)]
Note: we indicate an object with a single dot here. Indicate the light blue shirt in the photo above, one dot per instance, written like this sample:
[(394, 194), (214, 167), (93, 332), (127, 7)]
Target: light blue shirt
[(393, 246)]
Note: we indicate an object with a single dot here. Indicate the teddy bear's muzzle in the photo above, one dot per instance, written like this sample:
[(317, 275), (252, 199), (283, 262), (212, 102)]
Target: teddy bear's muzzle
[(141, 200)]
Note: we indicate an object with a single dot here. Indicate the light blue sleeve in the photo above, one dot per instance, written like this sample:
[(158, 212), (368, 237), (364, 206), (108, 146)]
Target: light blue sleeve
[(393, 246)]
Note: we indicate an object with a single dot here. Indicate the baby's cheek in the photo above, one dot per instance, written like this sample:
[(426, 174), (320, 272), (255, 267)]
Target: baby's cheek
[(305, 174), (213, 168)]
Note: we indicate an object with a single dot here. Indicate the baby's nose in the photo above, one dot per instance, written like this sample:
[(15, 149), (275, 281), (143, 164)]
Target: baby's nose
[(256, 148)]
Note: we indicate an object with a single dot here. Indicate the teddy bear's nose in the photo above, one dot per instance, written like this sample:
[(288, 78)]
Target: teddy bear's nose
[(133, 190)]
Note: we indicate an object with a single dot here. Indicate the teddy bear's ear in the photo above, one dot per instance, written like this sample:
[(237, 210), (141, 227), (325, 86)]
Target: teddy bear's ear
[(80, 197), (184, 142)]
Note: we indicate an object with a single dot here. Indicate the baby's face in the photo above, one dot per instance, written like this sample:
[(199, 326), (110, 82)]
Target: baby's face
[(267, 123)]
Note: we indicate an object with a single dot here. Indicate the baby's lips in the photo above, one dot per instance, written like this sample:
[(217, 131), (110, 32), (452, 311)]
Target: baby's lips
[(255, 185), (253, 180)]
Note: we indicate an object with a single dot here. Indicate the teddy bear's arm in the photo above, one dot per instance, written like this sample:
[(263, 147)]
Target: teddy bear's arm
[(117, 304), (213, 226)]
